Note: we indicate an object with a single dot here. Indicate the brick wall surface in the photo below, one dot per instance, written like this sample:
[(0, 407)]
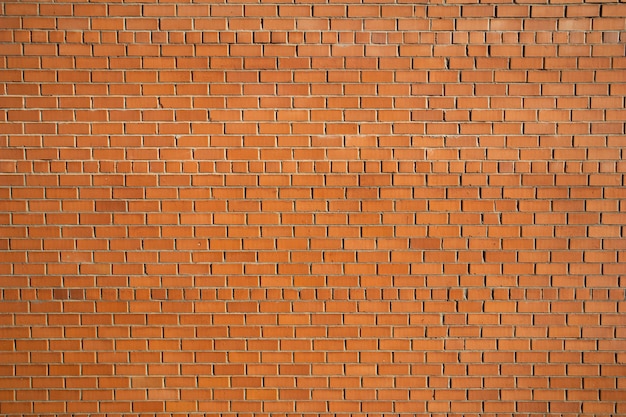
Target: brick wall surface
[(288, 208)]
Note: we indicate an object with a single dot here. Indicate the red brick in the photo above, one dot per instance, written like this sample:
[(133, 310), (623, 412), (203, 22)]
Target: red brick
[(320, 205)]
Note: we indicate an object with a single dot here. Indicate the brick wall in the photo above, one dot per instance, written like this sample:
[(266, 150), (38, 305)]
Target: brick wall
[(312, 209)]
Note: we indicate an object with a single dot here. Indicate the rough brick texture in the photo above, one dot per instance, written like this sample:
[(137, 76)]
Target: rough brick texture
[(312, 209)]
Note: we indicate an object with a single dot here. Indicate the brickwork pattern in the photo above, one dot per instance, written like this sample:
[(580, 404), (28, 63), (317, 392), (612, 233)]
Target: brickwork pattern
[(299, 208)]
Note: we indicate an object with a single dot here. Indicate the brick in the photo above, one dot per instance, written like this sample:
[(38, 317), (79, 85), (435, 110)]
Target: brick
[(329, 208)]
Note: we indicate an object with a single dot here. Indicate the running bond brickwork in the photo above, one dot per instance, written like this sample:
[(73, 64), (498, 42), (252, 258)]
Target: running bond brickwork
[(298, 209)]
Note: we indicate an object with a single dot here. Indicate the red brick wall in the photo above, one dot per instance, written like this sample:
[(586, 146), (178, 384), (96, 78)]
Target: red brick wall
[(320, 209)]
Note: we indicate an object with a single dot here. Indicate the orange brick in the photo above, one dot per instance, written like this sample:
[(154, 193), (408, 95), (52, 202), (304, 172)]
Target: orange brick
[(316, 205)]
